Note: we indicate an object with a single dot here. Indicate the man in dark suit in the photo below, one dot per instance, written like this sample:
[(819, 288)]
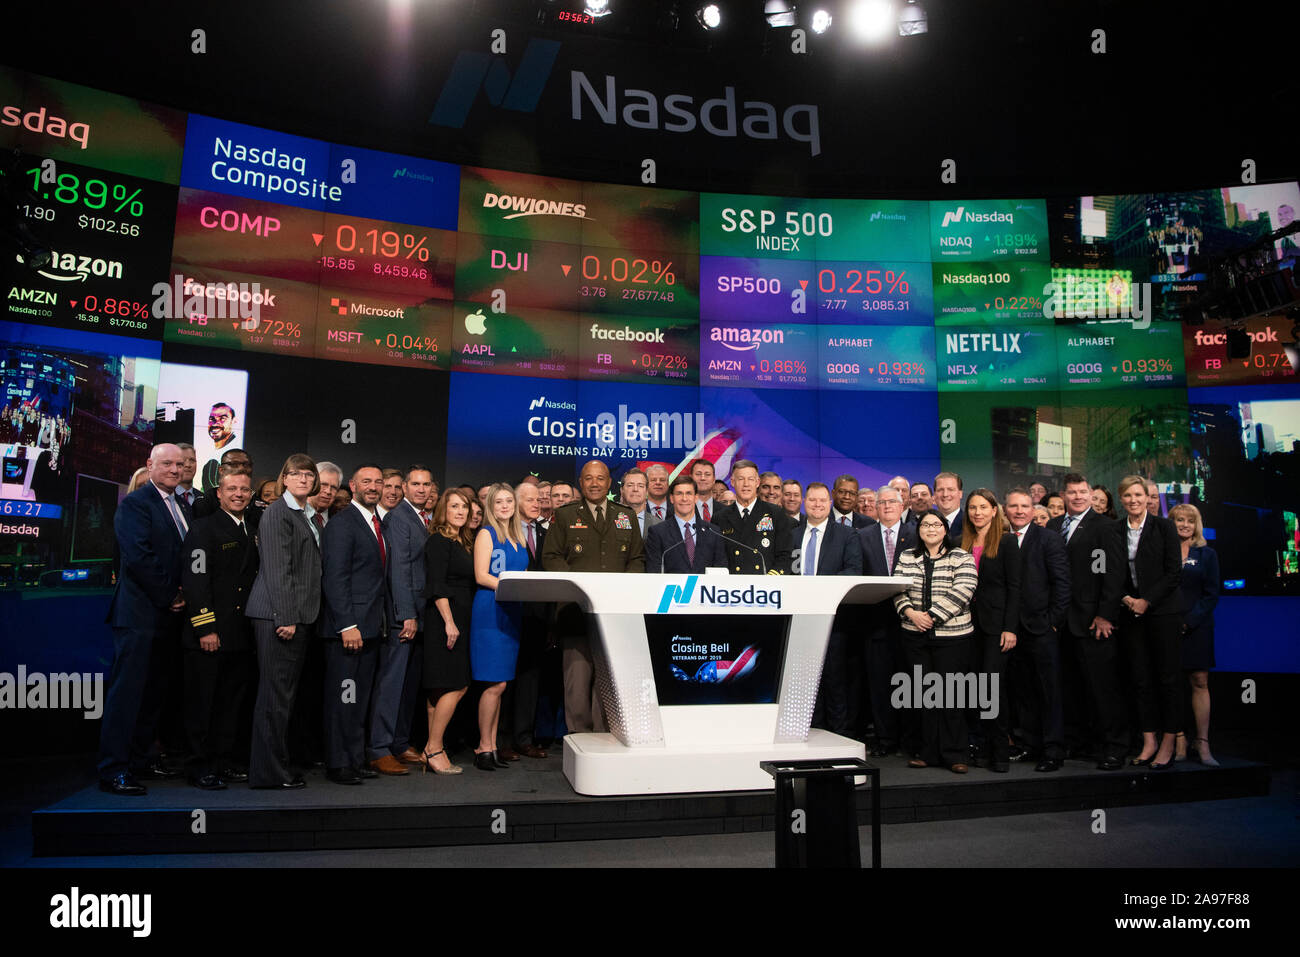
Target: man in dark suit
[(684, 543), (144, 614), (845, 509), (354, 555), (590, 535), (759, 532), (635, 490), (819, 546), (1044, 602), (947, 502), (1097, 569), (220, 568), (207, 504), (186, 494), (397, 678), (882, 544)]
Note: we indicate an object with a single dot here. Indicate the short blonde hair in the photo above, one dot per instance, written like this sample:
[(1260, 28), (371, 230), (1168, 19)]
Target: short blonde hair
[(1130, 480), (1198, 536)]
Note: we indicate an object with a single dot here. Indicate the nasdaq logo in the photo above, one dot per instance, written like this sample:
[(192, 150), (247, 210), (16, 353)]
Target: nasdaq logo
[(678, 594), (474, 71), (949, 218)]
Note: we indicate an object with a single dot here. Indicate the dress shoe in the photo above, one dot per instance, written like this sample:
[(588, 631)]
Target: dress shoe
[(496, 759), (208, 782), (1048, 764), (428, 764), (959, 768), (157, 771), (1017, 753), (410, 756), (342, 776), (365, 773), (532, 751), (1000, 767), (123, 784), (390, 765), (1140, 762), (235, 775), (507, 754), (1161, 767), (295, 785), (1110, 763), (483, 761), (916, 763)]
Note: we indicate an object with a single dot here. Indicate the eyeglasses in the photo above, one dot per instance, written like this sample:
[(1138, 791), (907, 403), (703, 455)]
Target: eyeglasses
[(296, 474), (931, 525)]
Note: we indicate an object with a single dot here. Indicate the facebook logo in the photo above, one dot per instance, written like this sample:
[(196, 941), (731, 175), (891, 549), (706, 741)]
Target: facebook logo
[(473, 71), (678, 595)]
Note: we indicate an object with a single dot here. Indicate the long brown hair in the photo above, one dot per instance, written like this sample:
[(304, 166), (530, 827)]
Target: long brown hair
[(997, 525), (441, 526)]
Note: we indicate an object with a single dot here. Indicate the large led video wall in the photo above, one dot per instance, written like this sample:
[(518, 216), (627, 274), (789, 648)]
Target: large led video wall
[(228, 285)]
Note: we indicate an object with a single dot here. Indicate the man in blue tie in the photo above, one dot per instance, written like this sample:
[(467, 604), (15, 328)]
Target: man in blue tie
[(635, 489), (145, 617), (684, 543)]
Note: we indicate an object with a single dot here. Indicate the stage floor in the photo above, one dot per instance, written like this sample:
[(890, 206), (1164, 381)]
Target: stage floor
[(533, 802)]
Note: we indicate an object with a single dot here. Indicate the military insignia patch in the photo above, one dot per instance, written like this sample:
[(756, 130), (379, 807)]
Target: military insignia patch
[(764, 524), (577, 548), (766, 542), (621, 520)]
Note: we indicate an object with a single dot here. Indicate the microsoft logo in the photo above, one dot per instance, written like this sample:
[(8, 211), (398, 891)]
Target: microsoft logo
[(474, 71)]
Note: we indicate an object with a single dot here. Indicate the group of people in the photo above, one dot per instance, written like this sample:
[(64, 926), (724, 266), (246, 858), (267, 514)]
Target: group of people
[(262, 610), (24, 424)]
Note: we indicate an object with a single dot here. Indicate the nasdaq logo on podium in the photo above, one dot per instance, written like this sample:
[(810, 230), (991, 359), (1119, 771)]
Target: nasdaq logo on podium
[(716, 596)]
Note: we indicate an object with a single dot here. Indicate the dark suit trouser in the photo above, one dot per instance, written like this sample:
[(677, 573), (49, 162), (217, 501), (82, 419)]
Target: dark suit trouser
[(883, 656), (519, 706), (279, 670), (832, 710), (306, 728), (1154, 650), (1037, 663), (388, 721), (216, 684), (582, 711), (1097, 661), (346, 705), (943, 730), (135, 696), (412, 696), (990, 659)]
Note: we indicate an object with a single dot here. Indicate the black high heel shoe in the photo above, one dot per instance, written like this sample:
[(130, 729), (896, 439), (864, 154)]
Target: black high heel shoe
[(483, 761), (497, 761), (1161, 767), (1140, 762)]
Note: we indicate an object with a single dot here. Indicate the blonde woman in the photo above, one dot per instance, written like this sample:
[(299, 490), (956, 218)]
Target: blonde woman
[(1200, 584), (495, 626)]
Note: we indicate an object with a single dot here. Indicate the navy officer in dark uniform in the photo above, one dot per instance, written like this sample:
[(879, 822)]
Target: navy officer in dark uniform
[(220, 565), (759, 531)]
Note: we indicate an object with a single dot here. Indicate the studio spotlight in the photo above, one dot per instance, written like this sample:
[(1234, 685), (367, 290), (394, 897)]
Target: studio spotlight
[(911, 20), (779, 13), (821, 21), (709, 15), (597, 8), (871, 20)]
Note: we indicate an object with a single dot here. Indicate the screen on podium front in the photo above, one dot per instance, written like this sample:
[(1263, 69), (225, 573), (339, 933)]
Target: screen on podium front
[(714, 659)]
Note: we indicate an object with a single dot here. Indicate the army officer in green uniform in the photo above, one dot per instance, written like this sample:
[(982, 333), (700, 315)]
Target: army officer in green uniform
[(592, 534)]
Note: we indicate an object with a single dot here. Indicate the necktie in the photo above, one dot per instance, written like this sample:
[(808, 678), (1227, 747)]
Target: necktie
[(844, 520), (600, 516), (690, 544), (424, 517), (744, 514), (705, 511), (810, 559), (659, 511), (319, 520), (532, 542), (889, 550), (1065, 526), (177, 517), (379, 533)]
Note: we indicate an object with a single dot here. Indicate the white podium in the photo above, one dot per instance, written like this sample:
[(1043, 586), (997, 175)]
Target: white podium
[(701, 676)]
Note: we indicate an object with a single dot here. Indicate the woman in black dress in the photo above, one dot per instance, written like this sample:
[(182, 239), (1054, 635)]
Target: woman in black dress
[(449, 569), (1200, 584)]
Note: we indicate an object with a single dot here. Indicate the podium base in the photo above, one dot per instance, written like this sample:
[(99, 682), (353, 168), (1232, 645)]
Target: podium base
[(598, 764)]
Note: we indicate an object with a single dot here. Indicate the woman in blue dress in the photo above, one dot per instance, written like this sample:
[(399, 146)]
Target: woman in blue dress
[(494, 626), (1200, 585)]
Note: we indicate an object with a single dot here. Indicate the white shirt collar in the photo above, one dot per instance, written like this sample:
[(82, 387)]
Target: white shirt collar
[(237, 519), (165, 495), (896, 526), (952, 515), (363, 510), (819, 525)]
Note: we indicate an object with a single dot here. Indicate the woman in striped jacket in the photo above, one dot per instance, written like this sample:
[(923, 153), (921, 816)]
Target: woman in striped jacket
[(937, 635)]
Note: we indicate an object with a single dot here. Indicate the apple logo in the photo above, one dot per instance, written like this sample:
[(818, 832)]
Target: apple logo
[(476, 323)]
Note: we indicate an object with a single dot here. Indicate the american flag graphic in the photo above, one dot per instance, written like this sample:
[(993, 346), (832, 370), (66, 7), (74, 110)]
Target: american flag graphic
[(722, 672)]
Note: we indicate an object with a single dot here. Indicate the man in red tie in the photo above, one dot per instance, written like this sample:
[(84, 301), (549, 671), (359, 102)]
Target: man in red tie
[(656, 477), (354, 559), (702, 473)]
